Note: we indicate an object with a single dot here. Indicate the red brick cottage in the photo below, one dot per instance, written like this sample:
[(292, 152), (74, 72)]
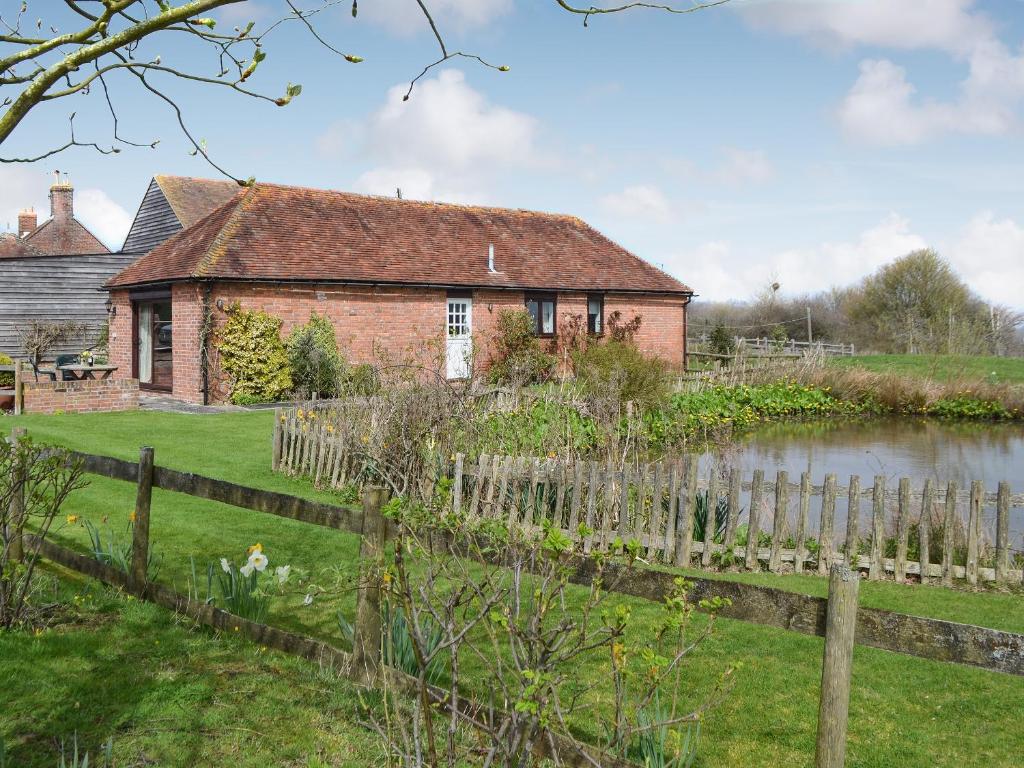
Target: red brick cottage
[(393, 275)]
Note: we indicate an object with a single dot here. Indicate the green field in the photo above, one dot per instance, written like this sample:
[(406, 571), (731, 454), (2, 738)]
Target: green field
[(951, 368), (904, 710)]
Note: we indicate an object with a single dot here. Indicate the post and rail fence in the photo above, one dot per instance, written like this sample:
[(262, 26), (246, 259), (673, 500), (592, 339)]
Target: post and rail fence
[(745, 521), (838, 618)]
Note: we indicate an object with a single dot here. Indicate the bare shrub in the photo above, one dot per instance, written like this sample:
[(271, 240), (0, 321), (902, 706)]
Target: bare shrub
[(514, 635), (35, 481)]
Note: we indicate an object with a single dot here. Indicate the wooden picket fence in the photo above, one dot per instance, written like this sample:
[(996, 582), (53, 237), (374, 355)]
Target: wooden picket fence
[(789, 526)]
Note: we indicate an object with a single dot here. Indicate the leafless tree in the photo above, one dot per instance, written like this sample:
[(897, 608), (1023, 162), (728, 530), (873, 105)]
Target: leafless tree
[(50, 51)]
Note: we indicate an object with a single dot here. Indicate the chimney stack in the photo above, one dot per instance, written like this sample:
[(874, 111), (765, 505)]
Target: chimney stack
[(62, 196), (27, 222)]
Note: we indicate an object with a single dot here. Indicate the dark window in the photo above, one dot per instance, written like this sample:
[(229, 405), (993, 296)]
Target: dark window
[(595, 314), (542, 309)]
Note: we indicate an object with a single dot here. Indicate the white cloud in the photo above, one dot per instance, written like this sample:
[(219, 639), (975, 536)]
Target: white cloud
[(640, 201), (102, 216), (718, 271), (447, 142), (989, 253), (744, 166), (882, 106), (21, 188), (405, 18), (949, 25)]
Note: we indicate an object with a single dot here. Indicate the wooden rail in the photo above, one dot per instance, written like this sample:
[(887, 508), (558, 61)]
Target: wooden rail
[(916, 636)]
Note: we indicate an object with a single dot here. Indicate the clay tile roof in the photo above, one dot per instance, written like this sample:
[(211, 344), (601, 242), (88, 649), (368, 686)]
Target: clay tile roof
[(193, 199), (12, 246), (60, 236), (273, 232)]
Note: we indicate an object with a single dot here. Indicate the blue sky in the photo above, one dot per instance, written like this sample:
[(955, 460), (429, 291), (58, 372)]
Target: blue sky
[(804, 141)]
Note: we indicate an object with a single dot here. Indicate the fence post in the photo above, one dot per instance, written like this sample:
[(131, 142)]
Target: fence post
[(840, 627), (275, 461), (17, 508), (139, 573), (366, 641)]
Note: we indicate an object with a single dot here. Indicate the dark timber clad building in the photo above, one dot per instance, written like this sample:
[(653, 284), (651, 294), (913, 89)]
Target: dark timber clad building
[(55, 271)]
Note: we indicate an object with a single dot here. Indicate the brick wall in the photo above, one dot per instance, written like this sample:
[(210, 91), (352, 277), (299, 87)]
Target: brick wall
[(120, 344), (81, 396), (377, 323)]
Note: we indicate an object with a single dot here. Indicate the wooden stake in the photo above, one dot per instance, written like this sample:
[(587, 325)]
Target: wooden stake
[(799, 555), (877, 568), (974, 531), (1003, 533), (902, 531), (826, 531), (853, 522), (948, 532), (366, 641), (735, 485), (710, 520), (779, 525), (684, 522), (754, 521), (924, 528), (836, 667), (139, 573)]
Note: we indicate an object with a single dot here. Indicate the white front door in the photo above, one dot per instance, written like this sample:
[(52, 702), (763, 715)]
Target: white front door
[(460, 338)]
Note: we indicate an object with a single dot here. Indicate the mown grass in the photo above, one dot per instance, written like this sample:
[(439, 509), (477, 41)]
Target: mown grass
[(904, 710), (945, 368), (168, 693)]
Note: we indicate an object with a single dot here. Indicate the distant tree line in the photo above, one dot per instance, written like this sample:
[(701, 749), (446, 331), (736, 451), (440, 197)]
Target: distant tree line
[(917, 304)]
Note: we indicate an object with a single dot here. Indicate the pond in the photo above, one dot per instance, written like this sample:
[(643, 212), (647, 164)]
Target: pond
[(894, 447)]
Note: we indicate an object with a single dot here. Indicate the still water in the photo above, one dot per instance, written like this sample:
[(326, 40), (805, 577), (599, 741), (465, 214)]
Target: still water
[(913, 448)]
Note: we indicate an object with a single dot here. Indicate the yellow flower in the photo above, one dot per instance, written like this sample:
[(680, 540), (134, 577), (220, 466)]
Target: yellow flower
[(618, 654), (72, 519), (133, 516), (257, 547), (330, 428)]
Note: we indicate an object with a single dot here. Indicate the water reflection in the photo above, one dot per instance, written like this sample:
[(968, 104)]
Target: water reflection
[(914, 448), (894, 447)]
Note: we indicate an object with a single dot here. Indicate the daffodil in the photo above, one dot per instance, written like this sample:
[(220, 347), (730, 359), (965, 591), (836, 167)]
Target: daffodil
[(225, 565), (247, 569), (257, 547), (258, 561), (282, 572), (308, 599), (133, 516), (72, 519)]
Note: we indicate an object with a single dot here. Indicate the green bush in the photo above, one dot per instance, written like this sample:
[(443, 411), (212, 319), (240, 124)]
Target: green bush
[(6, 379), (253, 355), (620, 370), (518, 357), (721, 341), (313, 355)]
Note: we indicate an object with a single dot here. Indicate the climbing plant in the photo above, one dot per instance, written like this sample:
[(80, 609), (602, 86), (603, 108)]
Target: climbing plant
[(253, 356)]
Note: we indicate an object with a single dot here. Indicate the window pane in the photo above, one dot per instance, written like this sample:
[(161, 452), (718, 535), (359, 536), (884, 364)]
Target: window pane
[(595, 309), (534, 310), (547, 317)]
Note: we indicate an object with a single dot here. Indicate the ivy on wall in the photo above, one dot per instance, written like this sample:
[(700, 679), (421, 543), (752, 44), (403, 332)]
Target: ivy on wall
[(253, 356)]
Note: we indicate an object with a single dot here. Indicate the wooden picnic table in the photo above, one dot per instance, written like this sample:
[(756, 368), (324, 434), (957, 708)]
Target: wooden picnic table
[(82, 372)]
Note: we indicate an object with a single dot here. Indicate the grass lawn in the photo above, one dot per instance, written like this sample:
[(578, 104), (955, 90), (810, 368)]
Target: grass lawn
[(996, 370), (168, 693), (904, 711)]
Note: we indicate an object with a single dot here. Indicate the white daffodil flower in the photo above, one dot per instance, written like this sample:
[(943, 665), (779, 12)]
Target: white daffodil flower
[(225, 565), (282, 572), (258, 561), (308, 599), (247, 569)]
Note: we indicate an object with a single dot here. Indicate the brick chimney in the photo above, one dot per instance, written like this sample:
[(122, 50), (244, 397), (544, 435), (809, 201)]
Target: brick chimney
[(27, 222), (62, 196)]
